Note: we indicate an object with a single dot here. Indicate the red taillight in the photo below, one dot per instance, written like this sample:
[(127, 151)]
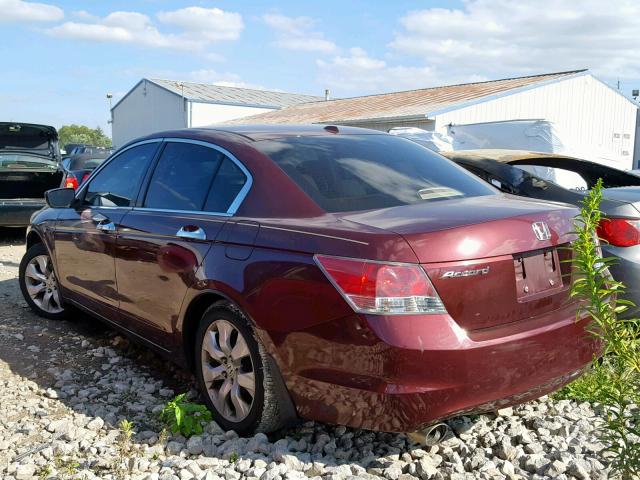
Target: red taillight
[(84, 177), (71, 182), (382, 288), (620, 232)]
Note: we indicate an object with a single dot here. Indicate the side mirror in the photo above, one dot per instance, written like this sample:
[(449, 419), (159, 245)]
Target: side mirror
[(60, 197)]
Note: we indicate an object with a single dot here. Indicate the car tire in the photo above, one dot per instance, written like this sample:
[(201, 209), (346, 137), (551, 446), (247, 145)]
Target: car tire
[(39, 284), (238, 379)]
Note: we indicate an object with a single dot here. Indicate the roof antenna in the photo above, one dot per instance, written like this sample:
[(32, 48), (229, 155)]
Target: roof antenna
[(327, 94)]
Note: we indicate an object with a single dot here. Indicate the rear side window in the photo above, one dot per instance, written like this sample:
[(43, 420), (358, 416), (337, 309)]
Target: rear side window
[(117, 184), (194, 177), (226, 187), (362, 172)]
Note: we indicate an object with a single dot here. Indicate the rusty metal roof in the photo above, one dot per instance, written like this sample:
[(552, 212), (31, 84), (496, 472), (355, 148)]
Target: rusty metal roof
[(411, 104)]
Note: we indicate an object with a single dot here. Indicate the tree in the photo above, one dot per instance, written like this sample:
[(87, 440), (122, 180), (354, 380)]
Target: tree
[(83, 134)]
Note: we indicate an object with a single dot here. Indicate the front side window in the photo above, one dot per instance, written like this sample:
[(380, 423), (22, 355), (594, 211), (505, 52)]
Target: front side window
[(117, 184), (362, 172)]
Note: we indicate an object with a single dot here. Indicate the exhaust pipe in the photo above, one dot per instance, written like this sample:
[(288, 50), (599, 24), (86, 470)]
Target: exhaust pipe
[(430, 436)]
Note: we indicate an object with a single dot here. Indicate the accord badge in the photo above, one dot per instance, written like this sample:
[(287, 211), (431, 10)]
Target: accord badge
[(465, 273)]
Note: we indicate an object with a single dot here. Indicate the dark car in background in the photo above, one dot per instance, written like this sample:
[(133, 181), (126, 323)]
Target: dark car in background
[(332, 273), (70, 147), (88, 149), (535, 175), (77, 168), (29, 157)]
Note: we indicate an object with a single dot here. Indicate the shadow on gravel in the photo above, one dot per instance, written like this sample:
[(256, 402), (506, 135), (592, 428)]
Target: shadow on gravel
[(66, 358), (12, 236)]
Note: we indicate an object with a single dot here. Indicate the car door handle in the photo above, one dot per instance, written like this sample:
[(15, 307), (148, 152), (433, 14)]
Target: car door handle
[(192, 232), (103, 223)]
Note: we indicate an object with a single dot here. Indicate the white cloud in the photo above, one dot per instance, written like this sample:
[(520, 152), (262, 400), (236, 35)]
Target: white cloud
[(199, 28), (84, 15), (123, 27), (20, 11), (358, 73), (296, 33), (505, 37), (211, 24)]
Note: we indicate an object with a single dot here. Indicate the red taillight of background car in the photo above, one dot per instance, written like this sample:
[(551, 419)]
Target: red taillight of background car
[(84, 178), (620, 232), (382, 288), (71, 182)]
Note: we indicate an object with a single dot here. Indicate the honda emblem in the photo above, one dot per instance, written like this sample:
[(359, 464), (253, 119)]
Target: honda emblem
[(541, 230)]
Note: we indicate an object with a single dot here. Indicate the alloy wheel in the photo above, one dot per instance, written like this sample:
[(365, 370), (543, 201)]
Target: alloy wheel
[(228, 370), (42, 284)]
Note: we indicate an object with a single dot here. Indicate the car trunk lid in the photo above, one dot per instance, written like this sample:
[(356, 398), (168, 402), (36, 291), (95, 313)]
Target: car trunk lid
[(484, 257), (41, 140), (620, 196)]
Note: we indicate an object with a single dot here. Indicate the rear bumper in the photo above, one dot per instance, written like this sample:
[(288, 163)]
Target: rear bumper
[(405, 373), (17, 212)]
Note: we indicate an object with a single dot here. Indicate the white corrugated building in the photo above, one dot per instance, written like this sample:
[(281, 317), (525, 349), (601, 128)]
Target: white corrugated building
[(154, 105), (585, 109)]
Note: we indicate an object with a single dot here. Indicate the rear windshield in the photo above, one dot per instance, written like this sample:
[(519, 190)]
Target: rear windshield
[(362, 172)]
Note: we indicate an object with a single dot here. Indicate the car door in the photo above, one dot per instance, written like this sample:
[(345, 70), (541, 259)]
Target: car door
[(85, 235), (189, 197)]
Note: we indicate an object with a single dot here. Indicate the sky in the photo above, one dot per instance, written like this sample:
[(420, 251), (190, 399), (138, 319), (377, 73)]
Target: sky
[(61, 58)]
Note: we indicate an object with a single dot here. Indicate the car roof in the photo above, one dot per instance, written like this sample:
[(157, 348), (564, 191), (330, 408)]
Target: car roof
[(264, 132)]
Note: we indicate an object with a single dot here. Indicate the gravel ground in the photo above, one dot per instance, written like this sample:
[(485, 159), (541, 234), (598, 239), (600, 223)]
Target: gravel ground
[(65, 386)]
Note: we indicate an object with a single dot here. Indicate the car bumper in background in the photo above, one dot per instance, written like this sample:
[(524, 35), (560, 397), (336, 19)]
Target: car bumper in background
[(403, 373), (17, 212)]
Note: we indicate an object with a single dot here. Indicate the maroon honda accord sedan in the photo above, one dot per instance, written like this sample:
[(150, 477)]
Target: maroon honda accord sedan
[(331, 273)]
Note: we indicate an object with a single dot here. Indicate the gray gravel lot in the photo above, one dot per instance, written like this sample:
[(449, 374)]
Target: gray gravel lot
[(65, 386)]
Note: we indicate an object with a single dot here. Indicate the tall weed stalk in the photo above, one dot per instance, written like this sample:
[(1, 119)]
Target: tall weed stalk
[(615, 380)]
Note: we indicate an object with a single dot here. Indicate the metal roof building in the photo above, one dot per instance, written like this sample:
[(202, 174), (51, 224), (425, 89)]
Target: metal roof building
[(154, 104), (588, 112)]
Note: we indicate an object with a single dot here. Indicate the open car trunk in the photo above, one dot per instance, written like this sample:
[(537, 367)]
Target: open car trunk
[(19, 181), (484, 257), (28, 160)]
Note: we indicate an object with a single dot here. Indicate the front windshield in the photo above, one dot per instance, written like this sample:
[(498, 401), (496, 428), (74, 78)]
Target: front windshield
[(362, 172), (20, 161)]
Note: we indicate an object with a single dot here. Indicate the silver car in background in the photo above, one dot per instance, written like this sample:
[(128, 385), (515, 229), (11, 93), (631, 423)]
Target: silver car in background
[(531, 174)]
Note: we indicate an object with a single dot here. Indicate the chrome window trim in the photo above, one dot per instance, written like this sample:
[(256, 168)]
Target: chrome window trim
[(233, 208), (186, 212)]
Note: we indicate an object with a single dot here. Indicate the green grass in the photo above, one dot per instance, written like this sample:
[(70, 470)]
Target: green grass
[(597, 385)]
